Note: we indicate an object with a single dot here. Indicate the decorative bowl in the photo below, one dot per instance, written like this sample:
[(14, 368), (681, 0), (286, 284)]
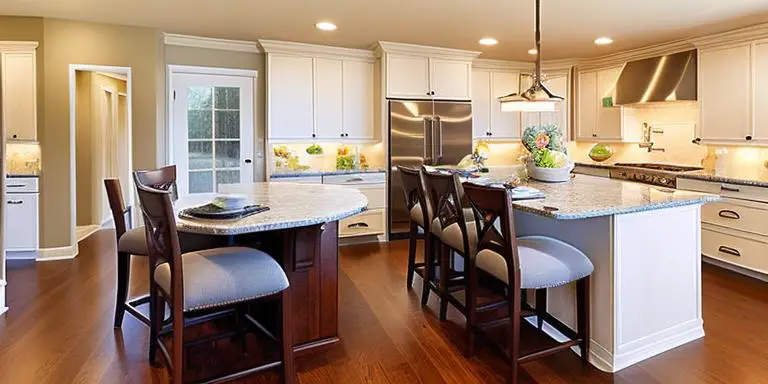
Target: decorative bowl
[(230, 201), (600, 152), (549, 175)]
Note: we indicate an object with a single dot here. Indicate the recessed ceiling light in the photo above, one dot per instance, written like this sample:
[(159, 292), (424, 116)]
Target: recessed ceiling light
[(532, 51), (488, 41), (603, 40), (326, 26)]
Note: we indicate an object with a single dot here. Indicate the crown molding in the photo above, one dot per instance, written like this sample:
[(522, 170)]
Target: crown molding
[(620, 58), (314, 50), (735, 36), (412, 49), (501, 65), (11, 46), (211, 43)]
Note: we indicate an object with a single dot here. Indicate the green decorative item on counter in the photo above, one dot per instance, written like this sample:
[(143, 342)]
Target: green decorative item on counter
[(548, 161), (314, 149), (344, 158), (600, 152), (546, 136)]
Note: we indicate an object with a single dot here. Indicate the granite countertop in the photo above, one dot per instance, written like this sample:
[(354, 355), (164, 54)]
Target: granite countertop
[(591, 196), (324, 173), (752, 177), (290, 206)]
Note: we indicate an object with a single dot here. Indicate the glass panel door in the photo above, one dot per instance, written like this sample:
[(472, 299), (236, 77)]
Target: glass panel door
[(213, 131)]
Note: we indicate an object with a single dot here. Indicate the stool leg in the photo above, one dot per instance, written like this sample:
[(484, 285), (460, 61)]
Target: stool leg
[(414, 232), (156, 317), (445, 267), (289, 369), (582, 307), (429, 246), (515, 303), (471, 304), (123, 278), (541, 306)]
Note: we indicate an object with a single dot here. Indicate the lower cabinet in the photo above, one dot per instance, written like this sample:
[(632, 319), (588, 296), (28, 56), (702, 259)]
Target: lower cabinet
[(732, 247)]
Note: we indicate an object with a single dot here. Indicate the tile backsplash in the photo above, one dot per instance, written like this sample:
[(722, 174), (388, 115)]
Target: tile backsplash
[(373, 154), (23, 158)]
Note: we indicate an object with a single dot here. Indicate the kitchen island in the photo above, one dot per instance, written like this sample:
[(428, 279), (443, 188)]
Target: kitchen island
[(645, 244), (300, 230)]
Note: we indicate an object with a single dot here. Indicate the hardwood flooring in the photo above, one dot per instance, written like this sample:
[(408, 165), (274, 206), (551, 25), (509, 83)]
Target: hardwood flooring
[(59, 330)]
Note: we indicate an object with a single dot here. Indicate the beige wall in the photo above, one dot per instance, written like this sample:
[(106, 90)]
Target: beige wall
[(202, 57)]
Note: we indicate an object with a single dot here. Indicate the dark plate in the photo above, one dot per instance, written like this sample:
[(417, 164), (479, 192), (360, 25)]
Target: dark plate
[(212, 212)]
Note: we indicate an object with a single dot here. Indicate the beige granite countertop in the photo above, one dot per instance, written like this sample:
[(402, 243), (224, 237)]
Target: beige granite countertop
[(591, 196), (290, 205), (757, 177)]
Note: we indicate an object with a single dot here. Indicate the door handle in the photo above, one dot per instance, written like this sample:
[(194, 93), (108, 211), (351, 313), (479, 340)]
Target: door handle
[(729, 251), (248, 161), (15, 202), (729, 189), (354, 179), (357, 225), (728, 214)]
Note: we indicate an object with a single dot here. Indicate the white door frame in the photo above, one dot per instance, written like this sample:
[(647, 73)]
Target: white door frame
[(196, 70), (73, 68)]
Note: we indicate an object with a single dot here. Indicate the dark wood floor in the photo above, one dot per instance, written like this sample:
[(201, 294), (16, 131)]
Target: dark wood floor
[(59, 330)]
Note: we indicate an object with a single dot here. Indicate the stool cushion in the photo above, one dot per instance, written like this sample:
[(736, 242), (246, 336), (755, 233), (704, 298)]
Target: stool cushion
[(451, 236), (133, 242), (544, 263), (223, 276), (417, 216), (436, 228)]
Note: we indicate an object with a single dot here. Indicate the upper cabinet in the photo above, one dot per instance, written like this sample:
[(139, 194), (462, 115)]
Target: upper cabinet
[(558, 82), (18, 84), (319, 93), (420, 72), (488, 121), (597, 119)]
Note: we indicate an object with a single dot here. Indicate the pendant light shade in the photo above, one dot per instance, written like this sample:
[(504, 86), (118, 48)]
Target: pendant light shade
[(537, 98)]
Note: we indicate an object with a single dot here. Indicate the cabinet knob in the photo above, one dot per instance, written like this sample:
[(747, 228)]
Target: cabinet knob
[(314, 135), (432, 93), (14, 136), (594, 135), (490, 133), (749, 138)]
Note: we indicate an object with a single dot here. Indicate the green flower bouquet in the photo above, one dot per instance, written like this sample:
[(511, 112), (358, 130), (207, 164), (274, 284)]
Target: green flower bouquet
[(549, 159)]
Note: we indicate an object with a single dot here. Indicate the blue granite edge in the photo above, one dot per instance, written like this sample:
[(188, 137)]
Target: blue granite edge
[(325, 173), (618, 211), (724, 179)]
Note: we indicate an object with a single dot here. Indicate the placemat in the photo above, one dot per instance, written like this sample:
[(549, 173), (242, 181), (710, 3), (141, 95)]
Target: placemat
[(212, 212)]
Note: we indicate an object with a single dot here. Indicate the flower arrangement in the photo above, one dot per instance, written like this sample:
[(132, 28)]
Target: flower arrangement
[(549, 159)]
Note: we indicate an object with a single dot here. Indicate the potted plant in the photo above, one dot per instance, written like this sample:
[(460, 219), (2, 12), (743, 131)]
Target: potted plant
[(549, 159)]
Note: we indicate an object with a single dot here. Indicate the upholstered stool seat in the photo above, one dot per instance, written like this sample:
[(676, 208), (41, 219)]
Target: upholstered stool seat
[(133, 242), (544, 263), (221, 276)]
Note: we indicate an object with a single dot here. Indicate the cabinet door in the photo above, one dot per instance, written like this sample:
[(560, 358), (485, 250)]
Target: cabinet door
[(724, 93), (358, 100), (528, 119), (760, 65), (451, 79), (504, 125), (328, 99), (559, 86), (608, 118), (291, 97), (21, 222), (586, 105), (407, 76), (481, 104), (19, 100)]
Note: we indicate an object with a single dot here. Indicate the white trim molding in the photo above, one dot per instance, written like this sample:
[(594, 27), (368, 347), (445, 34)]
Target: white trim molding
[(211, 43), (194, 70), (11, 46), (502, 65), (315, 50), (58, 253), (3, 308), (423, 50)]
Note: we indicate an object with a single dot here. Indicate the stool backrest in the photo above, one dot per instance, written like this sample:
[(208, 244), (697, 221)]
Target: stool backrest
[(162, 178), (117, 206), (445, 195), (490, 204), (413, 187)]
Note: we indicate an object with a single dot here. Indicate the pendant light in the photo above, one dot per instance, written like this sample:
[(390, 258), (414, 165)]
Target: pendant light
[(537, 98)]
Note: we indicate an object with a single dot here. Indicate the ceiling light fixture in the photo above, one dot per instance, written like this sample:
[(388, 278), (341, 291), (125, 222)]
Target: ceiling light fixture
[(604, 40), (537, 98), (326, 26), (533, 51), (488, 41)]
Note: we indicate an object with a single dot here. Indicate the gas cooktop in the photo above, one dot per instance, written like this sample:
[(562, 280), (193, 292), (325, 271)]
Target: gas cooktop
[(660, 167), (663, 175)]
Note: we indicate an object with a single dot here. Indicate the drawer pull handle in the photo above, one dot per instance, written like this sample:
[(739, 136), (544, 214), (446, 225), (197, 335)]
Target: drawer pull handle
[(728, 214), (354, 179), (16, 185), (729, 251), (729, 189), (15, 202), (357, 225)]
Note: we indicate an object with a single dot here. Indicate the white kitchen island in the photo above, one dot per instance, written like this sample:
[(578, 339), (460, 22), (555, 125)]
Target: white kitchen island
[(645, 244)]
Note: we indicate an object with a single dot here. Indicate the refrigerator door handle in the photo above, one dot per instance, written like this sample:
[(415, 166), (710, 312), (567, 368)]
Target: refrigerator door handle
[(439, 141), (427, 126)]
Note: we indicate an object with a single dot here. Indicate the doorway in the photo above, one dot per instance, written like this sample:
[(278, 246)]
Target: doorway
[(211, 127), (101, 143)]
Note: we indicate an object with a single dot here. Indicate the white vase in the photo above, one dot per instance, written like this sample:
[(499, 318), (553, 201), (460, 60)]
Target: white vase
[(549, 175)]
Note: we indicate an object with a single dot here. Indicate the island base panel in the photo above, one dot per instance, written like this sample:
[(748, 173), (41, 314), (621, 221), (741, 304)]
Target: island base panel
[(646, 286)]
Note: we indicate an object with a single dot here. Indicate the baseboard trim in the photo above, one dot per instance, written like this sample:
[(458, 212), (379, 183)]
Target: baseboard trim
[(365, 239), (735, 268), (676, 336), (3, 308), (58, 253)]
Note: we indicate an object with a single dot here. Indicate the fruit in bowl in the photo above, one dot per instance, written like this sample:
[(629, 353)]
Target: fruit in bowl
[(600, 152)]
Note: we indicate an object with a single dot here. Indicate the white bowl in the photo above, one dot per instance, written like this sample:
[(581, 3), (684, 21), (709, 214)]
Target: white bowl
[(231, 201), (549, 175)]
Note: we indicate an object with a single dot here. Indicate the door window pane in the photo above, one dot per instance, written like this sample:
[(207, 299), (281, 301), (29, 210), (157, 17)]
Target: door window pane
[(199, 124), (200, 181), (199, 98), (227, 98), (227, 124), (227, 177), (200, 155), (227, 154)]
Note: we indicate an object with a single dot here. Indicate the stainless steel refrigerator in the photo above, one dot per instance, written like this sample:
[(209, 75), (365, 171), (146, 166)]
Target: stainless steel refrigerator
[(423, 132)]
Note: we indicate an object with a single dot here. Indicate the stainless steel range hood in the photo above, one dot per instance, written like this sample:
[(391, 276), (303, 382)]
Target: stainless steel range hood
[(658, 79)]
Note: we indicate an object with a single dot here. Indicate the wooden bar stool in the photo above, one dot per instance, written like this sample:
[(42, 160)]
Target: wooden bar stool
[(204, 282), (531, 262)]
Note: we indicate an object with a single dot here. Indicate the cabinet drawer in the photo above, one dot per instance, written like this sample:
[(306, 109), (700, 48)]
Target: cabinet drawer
[(747, 253), (376, 194), (21, 185), (298, 179), (737, 217), (366, 223), (734, 191), (355, 178), (21, 222)]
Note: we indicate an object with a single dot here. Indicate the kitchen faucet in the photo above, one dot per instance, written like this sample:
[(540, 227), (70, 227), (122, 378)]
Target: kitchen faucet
[(647, 143)]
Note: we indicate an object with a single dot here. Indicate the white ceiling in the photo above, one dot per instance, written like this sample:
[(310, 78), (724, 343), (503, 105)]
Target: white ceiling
[(569, 26)]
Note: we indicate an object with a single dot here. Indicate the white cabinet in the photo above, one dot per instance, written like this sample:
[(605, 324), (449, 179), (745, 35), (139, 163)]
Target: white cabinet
[(358, 100), (596, 122), (290, 97), (559, 85), (586, 101), (725, 92), (488, 121), (609, 118), (328, 98), (760, 57), (319, 93), (21, 217), (420, 72), (18, 82)]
